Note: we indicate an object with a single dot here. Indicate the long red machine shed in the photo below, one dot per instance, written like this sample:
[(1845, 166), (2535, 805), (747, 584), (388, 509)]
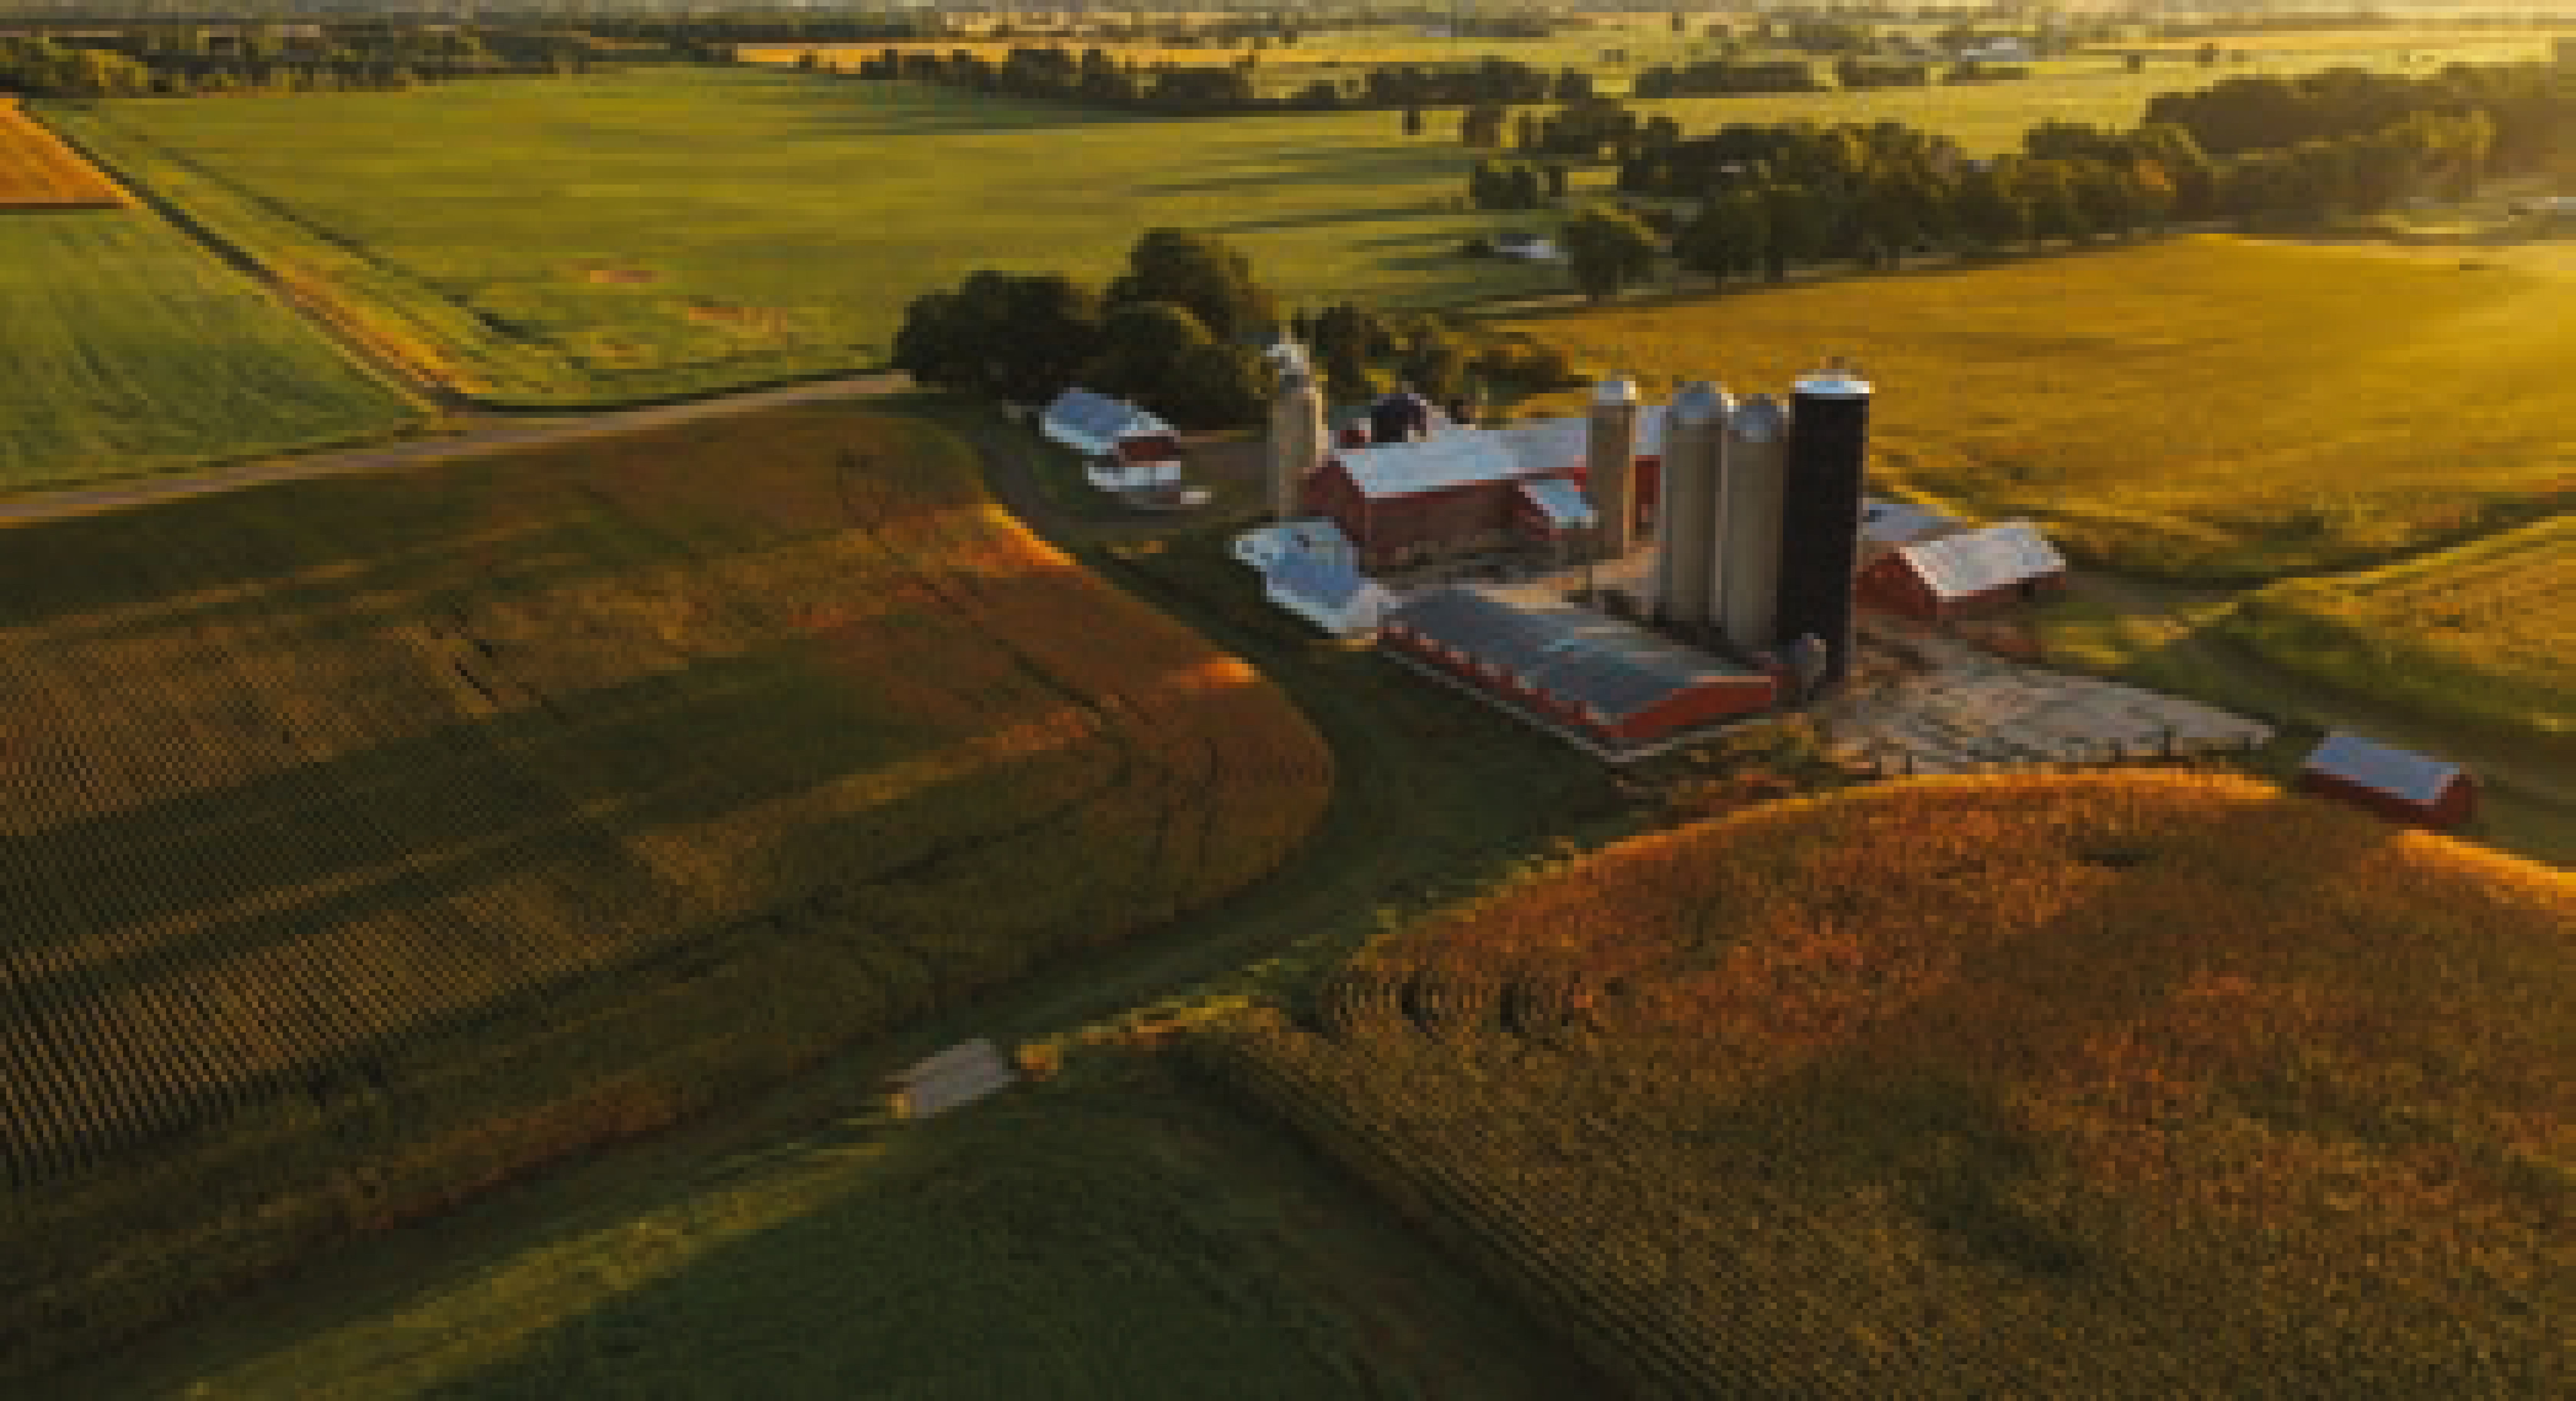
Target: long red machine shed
[(2396, 784), (1960, 575), (1607, 679)]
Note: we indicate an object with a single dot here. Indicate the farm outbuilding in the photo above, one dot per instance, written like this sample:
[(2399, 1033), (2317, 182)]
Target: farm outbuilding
[(2398, 784), (1608, 680), (1124, 448), (1470, 488), (1327, 591), (1887, 525), (1958, 575)]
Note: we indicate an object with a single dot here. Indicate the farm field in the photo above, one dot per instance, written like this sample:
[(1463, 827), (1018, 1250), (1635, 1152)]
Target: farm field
[(130, 352), (38, 173), (624, 237), (2483, 633), (451, 821), (2202, 409), (2115, 1084)]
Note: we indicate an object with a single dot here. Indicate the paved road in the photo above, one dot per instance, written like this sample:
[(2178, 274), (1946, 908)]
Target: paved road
[(414, 454)]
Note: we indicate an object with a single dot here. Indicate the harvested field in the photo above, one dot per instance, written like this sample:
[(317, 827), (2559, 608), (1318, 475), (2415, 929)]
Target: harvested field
[(2119, 1085), (450, 821), (38, 173)]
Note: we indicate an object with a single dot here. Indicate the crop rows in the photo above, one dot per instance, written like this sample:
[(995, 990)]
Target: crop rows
[(289, 804), (38, 172), (2104, 1085)]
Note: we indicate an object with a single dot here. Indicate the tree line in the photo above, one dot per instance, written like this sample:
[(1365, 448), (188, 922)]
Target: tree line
[(1183, 331), (184, 63)]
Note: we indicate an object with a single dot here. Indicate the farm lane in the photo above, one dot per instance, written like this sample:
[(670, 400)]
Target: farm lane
[(54, 505)]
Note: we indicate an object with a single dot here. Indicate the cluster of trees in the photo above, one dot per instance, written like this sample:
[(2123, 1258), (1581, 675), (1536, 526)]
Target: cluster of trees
[(1094, 76), (2532, 107), (1439, 360), (1180, 331), (1719, 77), (186, 63), (1508, 184)]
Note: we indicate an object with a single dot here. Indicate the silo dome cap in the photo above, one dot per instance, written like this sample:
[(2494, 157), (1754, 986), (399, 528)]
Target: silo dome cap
[(1700, 402), (1836, 378), (1615, 390)]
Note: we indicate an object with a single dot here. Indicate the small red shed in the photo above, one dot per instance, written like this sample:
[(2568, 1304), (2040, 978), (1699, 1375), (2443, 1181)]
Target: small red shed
[(1958, 575), (2395, 783)]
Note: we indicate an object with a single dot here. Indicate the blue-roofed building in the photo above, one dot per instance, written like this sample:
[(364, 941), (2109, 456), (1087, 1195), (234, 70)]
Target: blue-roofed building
[(2394, 783), (1611, 681), (1124, 447), (1467, 488), (1328, 591)]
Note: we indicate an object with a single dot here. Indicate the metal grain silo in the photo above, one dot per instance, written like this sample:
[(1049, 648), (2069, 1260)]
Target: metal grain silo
[(1750, 486), (1686, 511), (1820, 515), (1609, 461)]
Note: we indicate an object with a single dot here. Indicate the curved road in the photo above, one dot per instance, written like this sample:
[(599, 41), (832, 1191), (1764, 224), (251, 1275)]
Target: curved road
[(48, 505)]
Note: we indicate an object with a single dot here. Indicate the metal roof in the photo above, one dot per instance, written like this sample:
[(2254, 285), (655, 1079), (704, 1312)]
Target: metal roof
[(1093, 423), (2398, 773), (1460, 456), (1327, 582), (1999, 555), (1561, 502), (1318, 536), (1895, 522), (1612, 667)]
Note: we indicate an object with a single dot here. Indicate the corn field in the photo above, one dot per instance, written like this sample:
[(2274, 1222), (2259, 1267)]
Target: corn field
[(2134, 1084), (372, 836)]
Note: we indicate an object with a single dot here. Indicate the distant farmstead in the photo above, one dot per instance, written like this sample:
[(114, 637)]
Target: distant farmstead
[(1611, 681), (2395, 783), (1951, 576)]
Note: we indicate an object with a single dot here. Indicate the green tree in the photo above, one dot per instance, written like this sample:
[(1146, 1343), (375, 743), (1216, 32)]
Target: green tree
[(1608, 250), (1801, 225), (1436, 364), (1730, 236), (1202, 273), (1142, 347)]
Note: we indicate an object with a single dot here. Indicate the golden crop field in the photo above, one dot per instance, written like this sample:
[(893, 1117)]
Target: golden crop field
[(38, 172), (371, 837), (2205, 408), (2107, 1085), (2484, 631)]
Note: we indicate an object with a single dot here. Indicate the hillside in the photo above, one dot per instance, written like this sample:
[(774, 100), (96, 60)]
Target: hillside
[(2111, 1085), (448, 821), (2202, 409)]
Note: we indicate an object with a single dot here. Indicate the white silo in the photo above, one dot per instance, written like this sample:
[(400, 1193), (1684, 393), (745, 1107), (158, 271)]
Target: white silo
[(1296, 430), (1751, 487), (1686, 511), (1609, 460)]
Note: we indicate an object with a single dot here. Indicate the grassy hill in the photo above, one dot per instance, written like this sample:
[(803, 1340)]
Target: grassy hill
[(131, 352), (2203, 409), (449, 821), (2110, 1085)]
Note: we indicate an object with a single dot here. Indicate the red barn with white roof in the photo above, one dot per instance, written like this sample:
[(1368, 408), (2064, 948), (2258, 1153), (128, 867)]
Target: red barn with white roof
[(1953, 575), (1469, 488)]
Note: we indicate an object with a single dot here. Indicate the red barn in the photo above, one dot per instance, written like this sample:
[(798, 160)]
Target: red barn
[(1614, 682), (1469, 488), (1958, 575), (2396, 784)]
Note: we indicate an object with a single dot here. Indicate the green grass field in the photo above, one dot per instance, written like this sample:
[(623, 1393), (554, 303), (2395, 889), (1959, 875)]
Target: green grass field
[(2484, 632), (629, 236), (127, 351), (2198, 409)]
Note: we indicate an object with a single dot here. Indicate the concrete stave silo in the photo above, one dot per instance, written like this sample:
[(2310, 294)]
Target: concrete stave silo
[(1296, 430), (1751, 486), (1687, 505), (1610, 464)]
